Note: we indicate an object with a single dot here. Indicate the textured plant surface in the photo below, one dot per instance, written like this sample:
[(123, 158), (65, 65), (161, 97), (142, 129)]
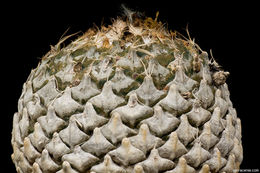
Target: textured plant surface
[(131, 97)]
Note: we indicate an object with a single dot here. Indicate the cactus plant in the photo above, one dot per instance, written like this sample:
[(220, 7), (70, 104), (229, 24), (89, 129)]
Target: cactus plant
[(130, 97)]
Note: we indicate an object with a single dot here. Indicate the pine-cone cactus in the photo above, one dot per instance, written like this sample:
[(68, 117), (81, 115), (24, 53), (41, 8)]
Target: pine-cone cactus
[(128, 98)]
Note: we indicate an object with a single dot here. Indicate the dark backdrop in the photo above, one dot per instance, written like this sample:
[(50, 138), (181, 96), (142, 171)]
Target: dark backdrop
[(230, 30)]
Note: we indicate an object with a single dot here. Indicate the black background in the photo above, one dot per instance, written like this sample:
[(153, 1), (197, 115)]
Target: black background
[(229, 29)]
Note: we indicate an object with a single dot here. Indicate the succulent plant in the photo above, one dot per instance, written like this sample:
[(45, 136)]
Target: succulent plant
[(131, 97)]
